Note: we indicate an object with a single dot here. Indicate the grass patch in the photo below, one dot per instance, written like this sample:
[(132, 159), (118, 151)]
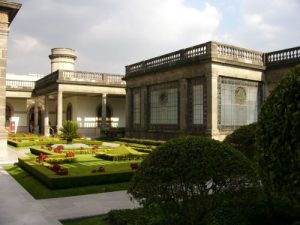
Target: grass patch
[(94, 220), (40, 191)]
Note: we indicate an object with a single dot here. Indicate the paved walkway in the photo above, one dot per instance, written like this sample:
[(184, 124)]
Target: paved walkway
[(18, 207)]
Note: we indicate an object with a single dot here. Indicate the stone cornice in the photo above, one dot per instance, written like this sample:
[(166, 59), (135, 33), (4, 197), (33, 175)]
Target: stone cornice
[(11, 7)]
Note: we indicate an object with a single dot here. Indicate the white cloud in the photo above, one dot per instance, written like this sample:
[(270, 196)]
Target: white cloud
[(109, 34), (267, 25), (26, 43)]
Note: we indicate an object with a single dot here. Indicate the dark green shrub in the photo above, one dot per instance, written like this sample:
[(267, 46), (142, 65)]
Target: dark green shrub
[(140, 216), (278, 140), (243, 139), (190, 176), (120, 157), (141, 141), (225, 216), (69, 131)]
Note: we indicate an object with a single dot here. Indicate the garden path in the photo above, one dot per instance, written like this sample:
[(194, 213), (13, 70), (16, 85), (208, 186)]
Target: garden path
[(18, 207)]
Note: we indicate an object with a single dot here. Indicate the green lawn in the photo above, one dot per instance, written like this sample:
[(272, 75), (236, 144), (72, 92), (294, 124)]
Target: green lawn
[(40, 191), (95, 220)]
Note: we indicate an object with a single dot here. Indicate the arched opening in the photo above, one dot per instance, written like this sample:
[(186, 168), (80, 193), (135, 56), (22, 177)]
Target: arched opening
[(31, 119), (69, 111), (108, 115)]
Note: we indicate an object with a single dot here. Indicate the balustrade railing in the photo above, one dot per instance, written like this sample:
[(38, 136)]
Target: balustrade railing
[(80, 76), (202, 51), (20, 84), (91, 77), (286, 55), (174, 57), (236, 52)]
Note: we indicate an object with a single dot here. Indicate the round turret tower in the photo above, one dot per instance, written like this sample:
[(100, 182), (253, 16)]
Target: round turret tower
[(62, 59)]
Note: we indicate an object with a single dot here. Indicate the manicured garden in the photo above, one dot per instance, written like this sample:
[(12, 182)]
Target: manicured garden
[(84, 167)]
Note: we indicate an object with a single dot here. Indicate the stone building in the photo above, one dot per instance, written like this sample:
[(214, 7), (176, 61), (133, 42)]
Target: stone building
[(40, 104), (211, 89), (8, 11)]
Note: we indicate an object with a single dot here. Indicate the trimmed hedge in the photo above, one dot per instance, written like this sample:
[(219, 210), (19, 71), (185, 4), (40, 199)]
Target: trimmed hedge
[(38, 151), (188, 176), (57, 182), (140, 216), (121, 157), (83, 151), (49, 142), (141, 141), (87, 142), (53, 160), (31, 143), (141, 148)]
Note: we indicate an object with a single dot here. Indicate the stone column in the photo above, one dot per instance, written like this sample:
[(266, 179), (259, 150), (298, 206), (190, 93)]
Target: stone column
[(183, 104), (46, 117), (59, 109), (36, 116), (103, 124), (212, 105), (8, 10)]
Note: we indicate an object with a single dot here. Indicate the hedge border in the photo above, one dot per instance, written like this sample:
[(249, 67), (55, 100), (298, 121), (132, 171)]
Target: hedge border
[(58, 182), (141, 141), (31, 143)]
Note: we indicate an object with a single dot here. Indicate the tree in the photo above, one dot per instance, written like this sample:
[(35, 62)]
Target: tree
[(189, 176), (278, 140), (69, 131), (243, 139)]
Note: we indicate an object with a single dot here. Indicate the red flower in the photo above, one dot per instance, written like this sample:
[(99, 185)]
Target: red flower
[(70, 154), (134, 166), (101, 169)]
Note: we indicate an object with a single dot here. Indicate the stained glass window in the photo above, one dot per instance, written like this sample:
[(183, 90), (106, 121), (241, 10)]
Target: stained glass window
[(198, 104), (164, 106), (239, 102), (136, 108)]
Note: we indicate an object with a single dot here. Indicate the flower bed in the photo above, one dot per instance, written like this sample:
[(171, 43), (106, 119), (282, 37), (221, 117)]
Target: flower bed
[(56, 181)]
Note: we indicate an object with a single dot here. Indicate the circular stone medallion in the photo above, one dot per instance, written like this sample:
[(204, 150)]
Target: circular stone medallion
[(240, 95)]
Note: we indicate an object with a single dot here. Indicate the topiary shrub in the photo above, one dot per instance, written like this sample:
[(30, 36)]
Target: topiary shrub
[(278, 140), (69, 131), (189, 176), (243, 139)]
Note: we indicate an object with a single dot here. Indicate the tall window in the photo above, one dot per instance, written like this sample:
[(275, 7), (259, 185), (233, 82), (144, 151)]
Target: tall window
[(198, 104), (164, 106), (69, 111), (239, 102), (136, 108)]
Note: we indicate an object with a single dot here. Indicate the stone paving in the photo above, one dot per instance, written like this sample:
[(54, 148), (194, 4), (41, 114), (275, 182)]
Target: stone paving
[(18, 207)]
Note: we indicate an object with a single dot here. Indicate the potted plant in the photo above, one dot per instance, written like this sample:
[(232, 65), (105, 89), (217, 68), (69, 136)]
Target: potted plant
[(69, 131)]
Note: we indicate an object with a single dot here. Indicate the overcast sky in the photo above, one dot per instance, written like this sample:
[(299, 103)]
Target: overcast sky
[(109, 34)]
